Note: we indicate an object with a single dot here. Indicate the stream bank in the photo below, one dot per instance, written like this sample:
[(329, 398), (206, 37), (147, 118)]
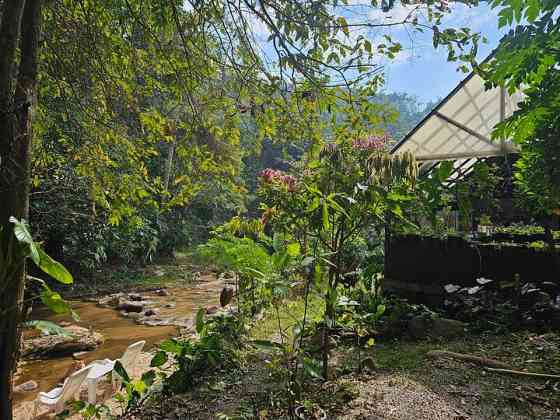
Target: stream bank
[(175, 309)]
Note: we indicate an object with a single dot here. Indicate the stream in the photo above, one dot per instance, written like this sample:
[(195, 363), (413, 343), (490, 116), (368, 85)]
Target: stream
[(119, 331)]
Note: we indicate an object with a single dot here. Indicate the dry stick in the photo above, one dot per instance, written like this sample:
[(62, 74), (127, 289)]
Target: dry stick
[(519, 372), (483, 361)]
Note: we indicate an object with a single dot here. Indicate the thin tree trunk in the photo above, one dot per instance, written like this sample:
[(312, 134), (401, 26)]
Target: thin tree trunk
[(329, 317), (16, 108), (169, 164)]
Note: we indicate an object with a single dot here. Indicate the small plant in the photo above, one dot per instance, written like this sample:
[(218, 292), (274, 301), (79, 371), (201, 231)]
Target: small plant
[(215, 348), (309, 410)]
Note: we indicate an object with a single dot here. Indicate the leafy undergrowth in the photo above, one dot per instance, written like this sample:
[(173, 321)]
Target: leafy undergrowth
[(289, 313), (401, 382), (165, 273)]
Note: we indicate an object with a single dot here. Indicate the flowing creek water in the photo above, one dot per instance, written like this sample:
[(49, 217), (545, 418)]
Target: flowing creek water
[(119, 331)]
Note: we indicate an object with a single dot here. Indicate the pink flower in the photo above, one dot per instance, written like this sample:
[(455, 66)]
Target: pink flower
[(370, 143), (274, 176)]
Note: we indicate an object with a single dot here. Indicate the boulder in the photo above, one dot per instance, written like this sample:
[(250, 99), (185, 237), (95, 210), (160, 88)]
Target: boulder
[(129, 306), (131, 315), (156, 322), (226, 296), (161, 292), (109, 301), (80, 355), (78, 339), (211, 310), (448, 328), (436, 327), (26, 387), (150, 312), (134, 297)]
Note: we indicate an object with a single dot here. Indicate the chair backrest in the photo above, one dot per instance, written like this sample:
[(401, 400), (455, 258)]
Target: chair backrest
[(131, 354), (72, 385)]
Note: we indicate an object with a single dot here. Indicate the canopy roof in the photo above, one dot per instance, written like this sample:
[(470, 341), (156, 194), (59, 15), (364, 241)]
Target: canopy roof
[(459, 128)]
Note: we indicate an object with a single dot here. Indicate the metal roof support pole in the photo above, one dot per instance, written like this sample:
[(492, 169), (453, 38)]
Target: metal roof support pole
[(464, 128), (503, 115)]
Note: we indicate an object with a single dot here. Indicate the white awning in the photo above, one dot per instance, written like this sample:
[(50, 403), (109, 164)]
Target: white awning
[(460, 127)]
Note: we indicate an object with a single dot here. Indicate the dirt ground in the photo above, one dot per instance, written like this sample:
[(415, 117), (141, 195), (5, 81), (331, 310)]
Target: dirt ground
[(402, 384)]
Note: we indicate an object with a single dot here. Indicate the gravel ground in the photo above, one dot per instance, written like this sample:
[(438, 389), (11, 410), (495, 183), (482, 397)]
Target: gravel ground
[(395, 396)]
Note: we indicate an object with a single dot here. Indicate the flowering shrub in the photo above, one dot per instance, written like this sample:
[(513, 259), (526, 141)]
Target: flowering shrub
[(347, 188), (370, 143), (275, 177)]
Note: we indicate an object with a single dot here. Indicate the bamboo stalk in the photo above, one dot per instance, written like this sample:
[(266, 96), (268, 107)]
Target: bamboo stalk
[(483, 361), (519, 372)]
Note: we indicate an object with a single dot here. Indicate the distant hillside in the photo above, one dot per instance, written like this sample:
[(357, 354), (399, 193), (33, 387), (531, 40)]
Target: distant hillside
[(411, 111)]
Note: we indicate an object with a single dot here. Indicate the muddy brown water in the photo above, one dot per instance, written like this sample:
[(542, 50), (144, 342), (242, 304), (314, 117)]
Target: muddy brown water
[(119, 331)]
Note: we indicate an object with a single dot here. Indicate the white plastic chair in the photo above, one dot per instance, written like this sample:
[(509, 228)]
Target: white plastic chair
[(128, 360), (57, 398)]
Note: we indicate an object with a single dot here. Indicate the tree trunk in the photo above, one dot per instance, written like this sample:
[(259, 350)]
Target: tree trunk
[(329, 317), (169, 164), (16, 105)]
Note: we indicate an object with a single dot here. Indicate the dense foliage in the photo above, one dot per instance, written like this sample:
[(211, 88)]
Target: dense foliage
[(152, 122)]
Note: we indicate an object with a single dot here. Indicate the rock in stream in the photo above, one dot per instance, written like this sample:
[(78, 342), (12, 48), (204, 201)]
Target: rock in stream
[(79, 339)]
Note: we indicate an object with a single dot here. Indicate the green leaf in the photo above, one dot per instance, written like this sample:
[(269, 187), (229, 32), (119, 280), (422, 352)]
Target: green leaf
[(277, 242), (78, 405), (121, 371), (293, 249), (318, 275), (367, 46), (170, 346), (53, 268), (312, 368), (267, 345), (24, 236), (47, 327), (315, 203), (54, 301), (343, 25), (149, 377), (139, 386), (90, 411), (200, 321), (444, 170), (326, 223), (337, 207), (159, 359)]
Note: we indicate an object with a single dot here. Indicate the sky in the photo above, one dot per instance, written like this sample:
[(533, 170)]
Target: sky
[(424, 71), (419, 70)]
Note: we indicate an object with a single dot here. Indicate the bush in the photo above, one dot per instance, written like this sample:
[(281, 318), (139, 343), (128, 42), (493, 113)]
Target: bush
[(217, 347)]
